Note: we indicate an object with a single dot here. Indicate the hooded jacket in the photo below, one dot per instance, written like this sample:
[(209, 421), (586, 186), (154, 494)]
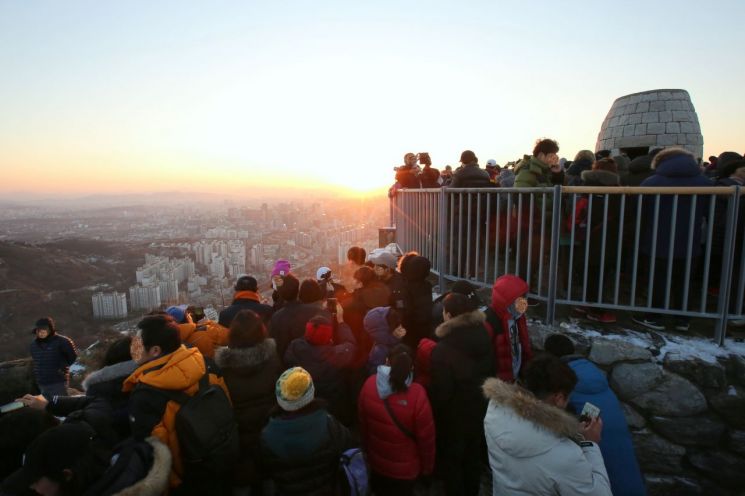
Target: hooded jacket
[(250, 374), (152, 413), (461, 361), (532, 447), (362, 300), (204, 336), (417, 317), (505, 291), (390, 452), (680, 170), (245, 300), (615, 444), (532, 173), (52, 357), (377, 327), (574, 172)]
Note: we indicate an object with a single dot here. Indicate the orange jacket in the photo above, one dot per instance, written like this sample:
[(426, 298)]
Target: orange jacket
[(204, 336), (177, 371)]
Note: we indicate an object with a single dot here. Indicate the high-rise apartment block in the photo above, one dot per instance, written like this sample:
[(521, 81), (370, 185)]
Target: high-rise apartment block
[(109, 305), (145, 297)]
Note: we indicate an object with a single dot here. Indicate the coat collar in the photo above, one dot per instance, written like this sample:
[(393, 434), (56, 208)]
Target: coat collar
[(119, 370), (233, 358), (469, 319), (530, 408), (156, 480)]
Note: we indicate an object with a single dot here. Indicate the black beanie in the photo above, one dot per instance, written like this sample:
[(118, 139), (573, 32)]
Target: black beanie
[(45, 323), (310, 291), (246, 283)]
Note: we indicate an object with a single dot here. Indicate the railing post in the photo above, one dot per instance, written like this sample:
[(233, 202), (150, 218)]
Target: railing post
[(728, 254), (442, 239), (554, 256)]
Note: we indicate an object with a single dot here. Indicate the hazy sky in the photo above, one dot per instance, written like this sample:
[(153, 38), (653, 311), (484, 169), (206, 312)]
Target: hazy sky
[(104, 96)]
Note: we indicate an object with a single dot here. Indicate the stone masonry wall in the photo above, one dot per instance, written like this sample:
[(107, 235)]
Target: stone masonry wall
[(686, 414), (657, 118)]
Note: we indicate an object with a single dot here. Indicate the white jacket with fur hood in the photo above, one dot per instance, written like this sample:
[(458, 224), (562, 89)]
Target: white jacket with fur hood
[(531, 447)]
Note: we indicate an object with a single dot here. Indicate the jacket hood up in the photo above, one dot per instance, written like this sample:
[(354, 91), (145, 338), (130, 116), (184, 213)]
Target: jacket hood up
[(590, 380), (506, 290), (376, 325), (678, 166)]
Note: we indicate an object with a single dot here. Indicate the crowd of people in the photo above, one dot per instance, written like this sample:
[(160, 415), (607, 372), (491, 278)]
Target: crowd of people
[(675, 243), (359, 386)]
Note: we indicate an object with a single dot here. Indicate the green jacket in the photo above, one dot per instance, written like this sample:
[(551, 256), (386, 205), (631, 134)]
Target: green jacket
[(532, 173)]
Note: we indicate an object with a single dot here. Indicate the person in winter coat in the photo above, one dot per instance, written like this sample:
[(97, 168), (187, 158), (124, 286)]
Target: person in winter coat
[(396, 426), (615, 444), (470, 175), (368, 293), (461, 361), (328, 355), (280, 270), (166, 364), (52, 354), (383, 324), (582, 162), (205, 335), (246, 298), (301, 444), (417, 314), (506, 178), (68, 460), (542, 168), (732, 174), (535, 446), (384, 264), (508, 327), (250, 367), (461, 287), (672, 167), (18, 429), (407, 175), (356, 256)]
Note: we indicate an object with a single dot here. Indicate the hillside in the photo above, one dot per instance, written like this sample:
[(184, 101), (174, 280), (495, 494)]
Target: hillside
[(58, 279)]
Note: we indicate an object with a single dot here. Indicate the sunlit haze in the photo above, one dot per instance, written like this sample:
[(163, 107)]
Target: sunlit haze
[(251, 98)]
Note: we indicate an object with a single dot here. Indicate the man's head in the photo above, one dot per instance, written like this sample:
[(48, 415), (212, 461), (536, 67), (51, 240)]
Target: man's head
[(606, 164), (384, 262), (559, 345), (310, 291), (550, 380), (44, 327), (246, 283), (357, 255), (468, 157), (735, 169), (547, 151), (410, 160), (158, 336), (289, 288)]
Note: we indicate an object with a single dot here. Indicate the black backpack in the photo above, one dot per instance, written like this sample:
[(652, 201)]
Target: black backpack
[(206, 429)]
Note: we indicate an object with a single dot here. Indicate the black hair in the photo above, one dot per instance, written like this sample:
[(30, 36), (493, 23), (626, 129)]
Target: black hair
[(546, 375), (457, 304), (559, 345), (365, 275), (160, 330), (86, 470), (545, 145), (289, 288), (246, 283), (357, 255), (401, 360), (118, 352), (404, 259), (393, 318)]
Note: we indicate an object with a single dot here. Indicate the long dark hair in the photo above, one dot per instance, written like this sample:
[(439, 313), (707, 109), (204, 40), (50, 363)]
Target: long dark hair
[(400, 359)]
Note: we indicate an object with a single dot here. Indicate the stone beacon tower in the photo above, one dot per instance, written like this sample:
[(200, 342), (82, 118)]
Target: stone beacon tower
[(651, 119)]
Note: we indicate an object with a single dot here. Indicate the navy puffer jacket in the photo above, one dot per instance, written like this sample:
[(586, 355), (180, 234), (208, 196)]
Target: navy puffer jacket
[(52, 358)]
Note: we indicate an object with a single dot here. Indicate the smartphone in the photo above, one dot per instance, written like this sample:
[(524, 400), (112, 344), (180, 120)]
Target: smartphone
[(12, 406), (589, 412), (331, 305)]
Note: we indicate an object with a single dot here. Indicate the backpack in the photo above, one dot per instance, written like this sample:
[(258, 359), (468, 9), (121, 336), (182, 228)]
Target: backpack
[(206, 429), (353, 473)]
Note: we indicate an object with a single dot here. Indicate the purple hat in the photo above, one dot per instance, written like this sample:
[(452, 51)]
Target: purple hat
[(281, 268)]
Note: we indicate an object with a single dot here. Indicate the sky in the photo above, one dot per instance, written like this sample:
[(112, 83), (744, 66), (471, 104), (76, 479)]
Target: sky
[(249, 98)]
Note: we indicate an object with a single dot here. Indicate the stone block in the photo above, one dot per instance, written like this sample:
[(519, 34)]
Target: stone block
[(608, 351), (704, 431), (635, 99), (730, 405), (666, 485), (640, 130), (617, 132), (633, 418), (650, 117), (680, 95), (656, 128), (665, 95), (692, 139), (635, 119), (652, 97), (709, 376), (672, 128), (696, 128), (628, 130), (613, 122), (687, 128), (657, 454), (666, 139), (623, 119), (685, 105), (642, 107), (681, 139), (635, 141), (631, 380), (657, 106), (727, 469), (673, 105), (734, 367), (681, 116), (737, 442), (666, 116)]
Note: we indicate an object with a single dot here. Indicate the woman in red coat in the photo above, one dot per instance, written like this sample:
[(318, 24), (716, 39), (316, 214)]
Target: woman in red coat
[(507, 326), (396, 424)]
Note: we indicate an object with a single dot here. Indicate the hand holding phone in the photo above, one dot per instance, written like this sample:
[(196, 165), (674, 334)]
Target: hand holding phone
[(589, 412), (11, 407)]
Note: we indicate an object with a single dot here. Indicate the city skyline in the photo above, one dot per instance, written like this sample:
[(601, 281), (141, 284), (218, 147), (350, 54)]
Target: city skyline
[(270, 99)]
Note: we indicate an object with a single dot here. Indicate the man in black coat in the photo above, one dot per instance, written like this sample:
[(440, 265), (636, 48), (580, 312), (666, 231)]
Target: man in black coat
[(52, 355), (417, 316), (470, 175), (246, 298)]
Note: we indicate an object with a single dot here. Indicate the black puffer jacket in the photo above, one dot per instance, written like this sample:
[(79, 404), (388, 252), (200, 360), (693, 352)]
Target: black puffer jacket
[(471, 176), (417, 317), (397, 286), (52, 358), (289, 323), (238, 304), (251, 375), (639, 169), (301, 450)]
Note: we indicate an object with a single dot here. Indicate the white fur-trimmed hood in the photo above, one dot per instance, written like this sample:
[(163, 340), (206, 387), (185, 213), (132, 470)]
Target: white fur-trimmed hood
[(156, 481), (254, 356)]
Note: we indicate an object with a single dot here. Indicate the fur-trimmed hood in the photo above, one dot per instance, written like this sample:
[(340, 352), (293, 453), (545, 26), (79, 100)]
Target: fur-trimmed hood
[(249, 358), (521, 424), (120, 371), (469, 319), (156, 480), (600, 177)]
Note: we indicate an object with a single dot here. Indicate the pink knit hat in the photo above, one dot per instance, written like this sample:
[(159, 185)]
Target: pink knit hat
[(281, 268)]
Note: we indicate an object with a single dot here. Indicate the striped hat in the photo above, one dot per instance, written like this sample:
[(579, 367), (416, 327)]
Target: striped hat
[(294, 389)]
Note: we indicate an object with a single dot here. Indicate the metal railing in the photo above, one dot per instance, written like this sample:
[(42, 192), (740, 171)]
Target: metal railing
[(658, 251)]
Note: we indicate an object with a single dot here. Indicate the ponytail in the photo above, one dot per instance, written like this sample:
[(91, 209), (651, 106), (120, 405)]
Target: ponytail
[(457, 304), (401, 360)]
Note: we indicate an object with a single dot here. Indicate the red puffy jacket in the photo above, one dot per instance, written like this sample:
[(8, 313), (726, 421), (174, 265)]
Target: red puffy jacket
[(505, 291), (390, 452)]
